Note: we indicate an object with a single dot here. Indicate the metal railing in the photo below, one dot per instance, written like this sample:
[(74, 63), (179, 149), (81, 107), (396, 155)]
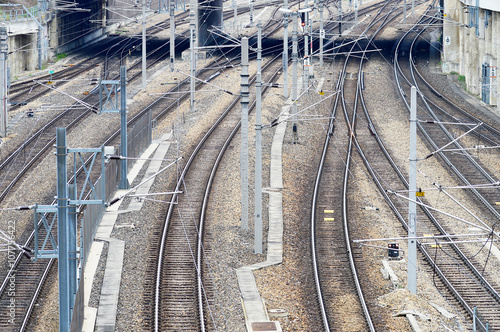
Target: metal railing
[(139, 138), (19, 13)]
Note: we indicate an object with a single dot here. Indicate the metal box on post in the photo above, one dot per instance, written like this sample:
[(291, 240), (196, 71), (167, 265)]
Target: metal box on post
[(393, 251)]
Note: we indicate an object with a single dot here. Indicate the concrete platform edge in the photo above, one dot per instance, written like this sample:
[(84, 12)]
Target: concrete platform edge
[(253, 305)]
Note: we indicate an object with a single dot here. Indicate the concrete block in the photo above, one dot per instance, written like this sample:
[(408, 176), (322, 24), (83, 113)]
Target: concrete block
[(392, 275)]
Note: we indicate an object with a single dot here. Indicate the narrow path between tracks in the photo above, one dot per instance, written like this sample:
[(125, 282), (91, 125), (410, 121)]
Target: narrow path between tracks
[(104, 318), (256, 316)]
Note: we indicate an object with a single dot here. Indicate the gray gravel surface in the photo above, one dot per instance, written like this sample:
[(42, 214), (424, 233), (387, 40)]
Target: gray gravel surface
[(227, 246)]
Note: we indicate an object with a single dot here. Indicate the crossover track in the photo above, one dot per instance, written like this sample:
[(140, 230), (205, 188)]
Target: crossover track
[(337, 265)]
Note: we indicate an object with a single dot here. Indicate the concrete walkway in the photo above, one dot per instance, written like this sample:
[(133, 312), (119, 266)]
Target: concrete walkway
[(104, 318), (256, 316)]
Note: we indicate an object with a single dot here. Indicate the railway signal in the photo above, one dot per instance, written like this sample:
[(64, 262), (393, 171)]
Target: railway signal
[(306, 71), (144, 44)]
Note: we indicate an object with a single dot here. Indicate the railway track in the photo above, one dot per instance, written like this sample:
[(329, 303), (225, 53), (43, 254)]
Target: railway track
[(456, 267), (212, 152), (30, 290), (171, 300), (341, 270), (180, 285), (26, 155)]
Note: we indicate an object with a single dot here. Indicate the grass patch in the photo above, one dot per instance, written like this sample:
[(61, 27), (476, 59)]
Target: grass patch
[(60, 56), (461, 82)]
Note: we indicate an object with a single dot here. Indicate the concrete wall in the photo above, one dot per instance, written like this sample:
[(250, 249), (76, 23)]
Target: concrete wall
[(33, 42), (68, 28), (467, 48), (26, 50)]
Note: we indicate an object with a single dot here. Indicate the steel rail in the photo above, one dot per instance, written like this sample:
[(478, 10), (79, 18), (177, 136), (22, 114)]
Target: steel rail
[(428, 256), (174, 199), (23, 171), (465, 153), (340, 96), (339, 88)]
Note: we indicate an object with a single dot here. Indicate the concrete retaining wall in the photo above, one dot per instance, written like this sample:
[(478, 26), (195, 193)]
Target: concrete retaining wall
[(24, 47), (33, 42), (470, 43)]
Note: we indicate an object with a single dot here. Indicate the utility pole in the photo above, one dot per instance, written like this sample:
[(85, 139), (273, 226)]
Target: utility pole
[(72, 241), (412, 195), (123, 131), (251, 12), (109, 104), (310, 74), (285, 50), (144, 44), (3, 81), (258, 146), (244, 133), (39, 46), (294, 77), (355, 11), (63, 232), (321, 33), (340, 17), (306, 63), (65, 214), (235, 8), (192, 44), (172, 35)]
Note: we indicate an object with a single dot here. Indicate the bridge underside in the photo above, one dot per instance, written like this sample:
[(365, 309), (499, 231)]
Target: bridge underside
[(69, 26), (208, 18)]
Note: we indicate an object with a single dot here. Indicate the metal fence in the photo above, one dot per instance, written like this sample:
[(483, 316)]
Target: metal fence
[(18, 14), (93, 213), (139, 138)]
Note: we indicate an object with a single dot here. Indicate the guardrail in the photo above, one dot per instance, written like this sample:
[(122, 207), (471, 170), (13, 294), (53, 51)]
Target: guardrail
[(18, 14)]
